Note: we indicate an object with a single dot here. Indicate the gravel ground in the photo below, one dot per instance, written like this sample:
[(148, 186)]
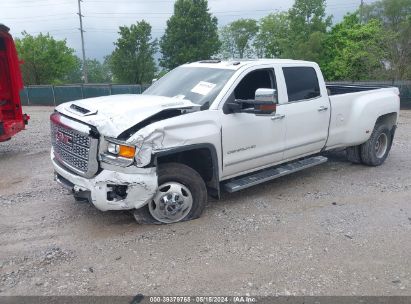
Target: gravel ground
[(336, 229)]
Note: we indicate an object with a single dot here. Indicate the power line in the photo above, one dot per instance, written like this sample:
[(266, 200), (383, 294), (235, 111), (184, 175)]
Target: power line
[(95, 14), (49, 17), (136, 14), (37, 1), (36, 5)]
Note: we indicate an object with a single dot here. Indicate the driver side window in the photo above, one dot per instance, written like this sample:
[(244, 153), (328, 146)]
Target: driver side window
[(245, 90), (259, 79)]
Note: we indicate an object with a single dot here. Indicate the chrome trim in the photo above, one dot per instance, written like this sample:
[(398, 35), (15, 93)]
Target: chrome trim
[(118, 141), (69, 123), (322, 109), (266, 95), (116, 160), (277, 117), (302, 100), (89, 145)]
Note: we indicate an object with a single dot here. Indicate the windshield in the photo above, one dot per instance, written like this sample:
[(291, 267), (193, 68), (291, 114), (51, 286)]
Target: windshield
[(199, 85)]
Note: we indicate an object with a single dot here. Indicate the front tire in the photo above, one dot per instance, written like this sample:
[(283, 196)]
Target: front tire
[(376, 149), (181, 196)]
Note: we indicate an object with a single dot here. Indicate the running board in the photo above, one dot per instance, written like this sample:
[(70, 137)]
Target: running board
[(272, 173)]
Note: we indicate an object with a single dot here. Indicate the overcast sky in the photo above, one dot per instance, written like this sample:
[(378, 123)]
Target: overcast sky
[(103, 17)]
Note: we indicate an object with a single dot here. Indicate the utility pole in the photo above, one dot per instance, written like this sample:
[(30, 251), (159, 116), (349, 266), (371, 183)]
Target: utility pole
[(362, 11), (82, 42)]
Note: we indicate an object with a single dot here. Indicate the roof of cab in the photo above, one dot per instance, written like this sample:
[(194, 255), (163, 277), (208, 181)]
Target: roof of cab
[(237, 64)]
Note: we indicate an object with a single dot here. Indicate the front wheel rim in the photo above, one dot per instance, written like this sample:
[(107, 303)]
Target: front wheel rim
[(381, 145), (172, 202)]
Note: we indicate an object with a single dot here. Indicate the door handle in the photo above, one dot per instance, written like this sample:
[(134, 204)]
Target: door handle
[(277, 117), (322, 109)]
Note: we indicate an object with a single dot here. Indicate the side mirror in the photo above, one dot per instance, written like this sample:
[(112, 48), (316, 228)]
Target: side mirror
[(266, 96), (264, 103)]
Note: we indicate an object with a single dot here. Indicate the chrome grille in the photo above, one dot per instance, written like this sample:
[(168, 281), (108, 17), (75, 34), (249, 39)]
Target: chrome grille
[(73, 148)]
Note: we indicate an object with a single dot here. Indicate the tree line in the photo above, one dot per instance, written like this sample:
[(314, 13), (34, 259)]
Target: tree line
[(373, 42)]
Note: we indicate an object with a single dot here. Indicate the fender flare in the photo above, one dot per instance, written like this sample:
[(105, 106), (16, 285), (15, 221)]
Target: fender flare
[(214, 184)]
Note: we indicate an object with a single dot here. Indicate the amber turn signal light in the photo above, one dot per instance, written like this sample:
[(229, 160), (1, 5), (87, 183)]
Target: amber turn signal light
[(127, 151), (267, 108)]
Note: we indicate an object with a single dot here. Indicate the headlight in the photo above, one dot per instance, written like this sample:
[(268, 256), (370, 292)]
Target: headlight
[(113, 148), (118, 153), (121, 150)]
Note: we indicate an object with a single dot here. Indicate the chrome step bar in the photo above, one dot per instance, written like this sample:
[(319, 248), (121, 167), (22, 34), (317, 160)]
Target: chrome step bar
[(272, 173)]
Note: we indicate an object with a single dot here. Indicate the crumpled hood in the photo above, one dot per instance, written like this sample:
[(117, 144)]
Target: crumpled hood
[(114, 114)]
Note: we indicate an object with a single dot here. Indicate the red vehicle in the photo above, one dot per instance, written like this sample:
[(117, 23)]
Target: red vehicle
[(12, 119)]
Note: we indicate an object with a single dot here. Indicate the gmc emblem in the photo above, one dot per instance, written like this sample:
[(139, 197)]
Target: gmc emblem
[(64, 138)]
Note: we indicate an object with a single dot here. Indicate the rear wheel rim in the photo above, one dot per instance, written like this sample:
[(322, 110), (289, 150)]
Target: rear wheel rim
[(381, 145), (172, 202)]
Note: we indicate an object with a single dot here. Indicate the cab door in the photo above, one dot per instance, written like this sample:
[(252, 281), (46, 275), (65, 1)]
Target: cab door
[(251, 142)]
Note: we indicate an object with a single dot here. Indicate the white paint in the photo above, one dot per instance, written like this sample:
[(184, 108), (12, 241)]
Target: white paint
[(117, 113), (355, 113), (202, 127)]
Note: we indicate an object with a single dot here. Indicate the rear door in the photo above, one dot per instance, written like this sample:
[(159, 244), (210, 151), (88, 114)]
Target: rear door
[(307, 112)]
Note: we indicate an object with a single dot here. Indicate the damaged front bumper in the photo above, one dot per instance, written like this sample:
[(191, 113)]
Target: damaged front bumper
[(111, 190)]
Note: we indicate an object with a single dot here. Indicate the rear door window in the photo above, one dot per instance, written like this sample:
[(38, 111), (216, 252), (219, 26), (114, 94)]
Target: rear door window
[(302, 83)]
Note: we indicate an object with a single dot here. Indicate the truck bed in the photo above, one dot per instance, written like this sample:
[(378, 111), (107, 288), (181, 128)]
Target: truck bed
[(356, 108), (335, 89)]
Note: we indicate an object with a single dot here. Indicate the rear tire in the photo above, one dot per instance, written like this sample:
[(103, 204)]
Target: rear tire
[(376, 149), (181, 196)]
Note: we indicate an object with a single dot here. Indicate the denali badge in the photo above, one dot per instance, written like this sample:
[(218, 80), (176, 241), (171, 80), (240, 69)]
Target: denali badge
[(64, 138), (241, 149)]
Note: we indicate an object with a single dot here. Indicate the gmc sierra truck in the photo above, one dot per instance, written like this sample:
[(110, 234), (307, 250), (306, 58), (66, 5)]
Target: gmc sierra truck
[(211, 126)]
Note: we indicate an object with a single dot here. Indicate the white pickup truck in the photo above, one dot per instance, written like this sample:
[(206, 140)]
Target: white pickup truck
[(211, 126)]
